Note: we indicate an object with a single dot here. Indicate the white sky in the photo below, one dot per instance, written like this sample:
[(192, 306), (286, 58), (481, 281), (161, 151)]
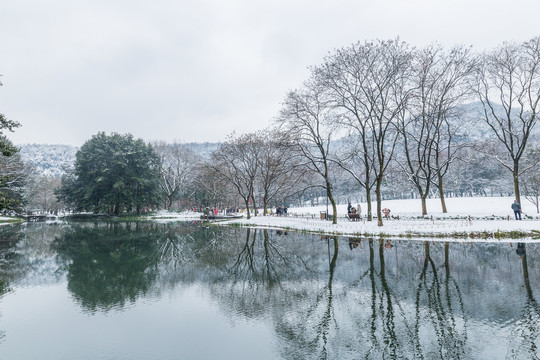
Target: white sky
[(199, 70)]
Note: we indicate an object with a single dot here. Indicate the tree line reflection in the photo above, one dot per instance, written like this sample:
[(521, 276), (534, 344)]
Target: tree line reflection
[(326, 297)]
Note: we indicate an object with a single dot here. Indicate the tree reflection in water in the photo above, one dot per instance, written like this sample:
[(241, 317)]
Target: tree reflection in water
[(14, 264), (440, 309), (524, 338), (111, 264), (9, 260), (310, 326)]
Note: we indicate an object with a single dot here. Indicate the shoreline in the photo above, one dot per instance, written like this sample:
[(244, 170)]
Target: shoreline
[(476, 229), (454, 230)]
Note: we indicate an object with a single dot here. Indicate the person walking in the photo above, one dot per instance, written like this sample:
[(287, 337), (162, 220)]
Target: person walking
[(517, 210)]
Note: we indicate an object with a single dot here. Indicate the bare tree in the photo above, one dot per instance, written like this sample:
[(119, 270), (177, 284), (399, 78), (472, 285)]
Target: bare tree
[(40, 193), (237, 162), (371, 84), (177, 167), (307, 118), (279, 173), (210, 189), (440, 80), (531, 185), (355, 160), (508, 86), (343, 77), (531, 180)]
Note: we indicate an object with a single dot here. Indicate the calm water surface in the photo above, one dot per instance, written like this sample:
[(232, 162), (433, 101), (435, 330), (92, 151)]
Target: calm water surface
[(182, 291)]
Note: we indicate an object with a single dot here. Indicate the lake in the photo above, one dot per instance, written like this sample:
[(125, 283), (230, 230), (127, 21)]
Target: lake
[(186, 291)]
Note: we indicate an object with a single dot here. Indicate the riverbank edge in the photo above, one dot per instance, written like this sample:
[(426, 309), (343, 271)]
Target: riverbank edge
[(485, 235), (496, 235)]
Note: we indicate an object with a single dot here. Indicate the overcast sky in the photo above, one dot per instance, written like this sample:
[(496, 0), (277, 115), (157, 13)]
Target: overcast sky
[(195, 71)]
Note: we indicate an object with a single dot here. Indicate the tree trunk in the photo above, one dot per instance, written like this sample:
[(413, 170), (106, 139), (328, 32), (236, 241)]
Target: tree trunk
[(247, 208), (265, 207), (255, 212), (424, 206), (515, 173), (332, 201), (379, 201), (368, 199), (368, 195), (169, 202), (441, 194)]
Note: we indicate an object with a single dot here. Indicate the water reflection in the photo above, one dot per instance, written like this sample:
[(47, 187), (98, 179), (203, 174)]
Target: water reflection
[(524, 339), (368, 299), (110, 265), (9, 258), (439, 306)]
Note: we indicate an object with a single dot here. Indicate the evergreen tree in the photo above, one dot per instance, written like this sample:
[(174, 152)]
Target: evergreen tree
[(113, 173), (13, 176), (10, 180)]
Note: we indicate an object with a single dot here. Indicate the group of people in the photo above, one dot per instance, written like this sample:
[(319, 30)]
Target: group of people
[(281, 211), (358, 210), (354, 210)]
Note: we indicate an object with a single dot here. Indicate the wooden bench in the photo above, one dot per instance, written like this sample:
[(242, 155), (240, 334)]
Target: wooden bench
[(353, 217)]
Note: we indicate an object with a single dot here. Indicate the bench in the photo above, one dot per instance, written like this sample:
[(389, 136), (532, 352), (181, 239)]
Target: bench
[(353, 217)]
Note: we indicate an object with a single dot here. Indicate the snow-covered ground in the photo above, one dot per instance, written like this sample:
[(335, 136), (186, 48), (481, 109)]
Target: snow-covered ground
[(473, 206), (165, 216), (489, 215)]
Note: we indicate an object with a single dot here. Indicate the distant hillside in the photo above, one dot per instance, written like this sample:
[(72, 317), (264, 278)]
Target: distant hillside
[(55, 160), (49, 160)]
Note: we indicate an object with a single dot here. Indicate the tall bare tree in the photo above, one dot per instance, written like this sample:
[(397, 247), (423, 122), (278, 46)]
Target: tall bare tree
[(306, 116), (343, 76), (371, 83), (440, 82), (508, 86)]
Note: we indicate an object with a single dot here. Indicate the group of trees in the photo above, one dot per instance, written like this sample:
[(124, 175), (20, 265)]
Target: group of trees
[(253, 167), (403, 107), (383, 113)]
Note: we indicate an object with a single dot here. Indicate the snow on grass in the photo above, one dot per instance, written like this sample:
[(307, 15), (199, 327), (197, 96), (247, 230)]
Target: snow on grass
[(489, 219), (166, 216), (473, 206)]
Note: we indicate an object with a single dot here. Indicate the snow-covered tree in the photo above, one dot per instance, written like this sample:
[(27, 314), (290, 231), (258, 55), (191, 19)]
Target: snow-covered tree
[(508, 85)]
